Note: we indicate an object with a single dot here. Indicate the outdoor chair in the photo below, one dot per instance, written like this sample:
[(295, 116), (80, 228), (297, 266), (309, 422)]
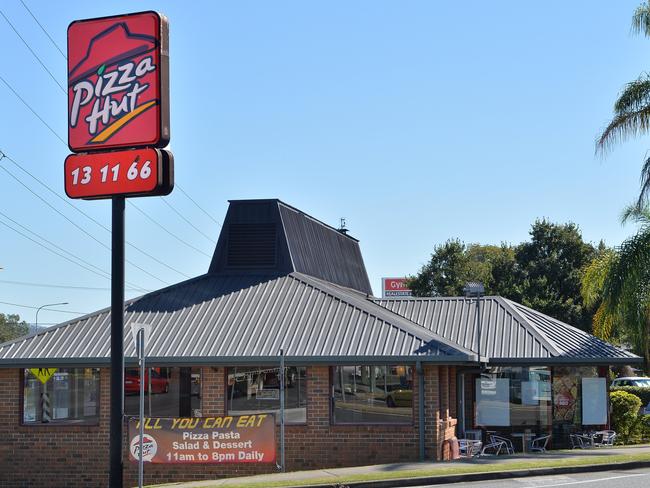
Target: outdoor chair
[(469, 447), (494, 447), (580, 441), (507, 443), (539, 443), (607, 438)]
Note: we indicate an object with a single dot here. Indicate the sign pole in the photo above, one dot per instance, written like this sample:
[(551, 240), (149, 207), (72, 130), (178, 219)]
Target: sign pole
[(142, 380), (117, 343)]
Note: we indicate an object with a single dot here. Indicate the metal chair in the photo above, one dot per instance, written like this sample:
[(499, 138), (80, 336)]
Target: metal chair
[(539, 444), (507, 443), (580, 441), (469, 447), (493, 448), (607, 438)]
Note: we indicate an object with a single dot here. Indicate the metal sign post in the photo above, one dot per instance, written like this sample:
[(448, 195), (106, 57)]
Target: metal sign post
[(141, 358), (117, 343), (282, 466)]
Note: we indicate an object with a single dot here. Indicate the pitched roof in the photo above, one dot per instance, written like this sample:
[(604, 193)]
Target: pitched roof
[(235, 319), (510, 332), (270, 236)]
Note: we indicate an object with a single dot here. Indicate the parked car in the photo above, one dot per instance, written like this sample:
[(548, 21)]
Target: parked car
[(637, 381), (159, 384), (399, 398), (632, 381)]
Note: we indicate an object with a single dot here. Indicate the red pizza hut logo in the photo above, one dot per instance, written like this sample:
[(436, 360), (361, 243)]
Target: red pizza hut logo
[(118, 82)]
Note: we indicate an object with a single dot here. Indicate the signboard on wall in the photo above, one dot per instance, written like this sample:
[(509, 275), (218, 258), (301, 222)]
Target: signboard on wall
[(395, 287), (493, 402), (594, 410), (118, 77), (207, 440)]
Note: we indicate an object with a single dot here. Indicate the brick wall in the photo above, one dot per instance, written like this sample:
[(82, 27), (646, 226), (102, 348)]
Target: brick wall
[(75, 456)]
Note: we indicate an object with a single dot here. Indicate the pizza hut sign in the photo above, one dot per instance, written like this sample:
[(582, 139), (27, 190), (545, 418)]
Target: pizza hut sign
[(118, 107), (118, 82)]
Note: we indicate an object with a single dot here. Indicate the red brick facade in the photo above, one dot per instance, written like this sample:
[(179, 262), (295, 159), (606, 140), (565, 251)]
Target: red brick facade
[(77, 456)]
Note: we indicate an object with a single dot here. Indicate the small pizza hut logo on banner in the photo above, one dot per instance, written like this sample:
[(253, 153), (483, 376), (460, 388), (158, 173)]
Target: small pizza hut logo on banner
[(118, 98)]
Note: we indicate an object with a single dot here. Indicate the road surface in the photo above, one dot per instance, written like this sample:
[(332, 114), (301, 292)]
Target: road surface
[(634, 478)]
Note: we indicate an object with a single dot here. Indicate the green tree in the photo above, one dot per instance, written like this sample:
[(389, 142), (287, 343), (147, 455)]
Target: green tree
[(621, 279), (11, 327), (551, 266), (632, 109)]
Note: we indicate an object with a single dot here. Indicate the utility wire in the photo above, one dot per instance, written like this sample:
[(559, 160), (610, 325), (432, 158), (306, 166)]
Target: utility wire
[(63, 287), (77, 225), (197, 205), (48, 309), (165, 229), (33, 111), (59, 248), (188, 222), (34, 54), (87, 266), (89, 217), (44, 31)]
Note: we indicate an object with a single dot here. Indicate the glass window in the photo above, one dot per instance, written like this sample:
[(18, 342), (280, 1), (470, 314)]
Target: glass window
[(517, 397), (169, 392), (60, 395), (257, 390), (373, 394)]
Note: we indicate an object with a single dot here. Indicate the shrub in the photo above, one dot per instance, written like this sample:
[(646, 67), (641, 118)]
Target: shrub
[(642, 393), (625, 416)]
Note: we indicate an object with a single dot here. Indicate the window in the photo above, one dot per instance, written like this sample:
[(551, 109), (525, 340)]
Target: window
[(372, 394), (517, 397), (257, 390), (60, 395), (169, 392)]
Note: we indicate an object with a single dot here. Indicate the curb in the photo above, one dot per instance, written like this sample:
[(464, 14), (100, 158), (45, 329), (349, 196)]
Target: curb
[(486, 476)]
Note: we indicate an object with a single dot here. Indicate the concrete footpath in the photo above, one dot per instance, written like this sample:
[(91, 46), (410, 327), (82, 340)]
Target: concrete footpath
[(413, 474)]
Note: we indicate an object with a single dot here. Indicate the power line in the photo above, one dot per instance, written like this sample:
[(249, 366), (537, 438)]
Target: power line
[(44, 31), (77, 225), (165, 229), (63, 287), (48, 309), (188, 222), (67, 202), (87, 266), (32, 110), (34, 54), (197, 205)]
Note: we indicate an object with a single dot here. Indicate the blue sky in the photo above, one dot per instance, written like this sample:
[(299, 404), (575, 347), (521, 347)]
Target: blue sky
[(416, 121)]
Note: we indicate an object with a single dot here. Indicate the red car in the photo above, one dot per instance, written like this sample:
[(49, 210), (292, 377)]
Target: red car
[(132, 382)]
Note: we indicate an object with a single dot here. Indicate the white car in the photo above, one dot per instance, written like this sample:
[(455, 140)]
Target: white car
[(637, 381)]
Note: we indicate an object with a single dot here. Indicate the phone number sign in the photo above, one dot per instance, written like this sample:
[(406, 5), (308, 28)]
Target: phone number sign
[(145, 171)]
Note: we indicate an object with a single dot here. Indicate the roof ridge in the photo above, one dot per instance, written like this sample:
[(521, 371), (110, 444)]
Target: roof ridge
[(511, 305), (411, 327)]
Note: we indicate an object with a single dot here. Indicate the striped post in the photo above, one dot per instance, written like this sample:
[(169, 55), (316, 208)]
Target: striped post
[(45, 402)]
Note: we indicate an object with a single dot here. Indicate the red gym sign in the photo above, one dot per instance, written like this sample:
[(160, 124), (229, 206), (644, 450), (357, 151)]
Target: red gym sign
[(118, 99), (117, 82)]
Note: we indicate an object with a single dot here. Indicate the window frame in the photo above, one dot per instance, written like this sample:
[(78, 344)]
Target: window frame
[(60, 423), (286, 422), (332, 402)]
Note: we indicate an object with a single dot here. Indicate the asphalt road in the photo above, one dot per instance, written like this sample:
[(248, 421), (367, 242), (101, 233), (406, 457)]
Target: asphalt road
[(634, 478)]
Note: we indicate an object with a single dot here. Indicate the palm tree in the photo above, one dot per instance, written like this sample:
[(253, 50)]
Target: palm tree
[(632, 109), (620, 279)]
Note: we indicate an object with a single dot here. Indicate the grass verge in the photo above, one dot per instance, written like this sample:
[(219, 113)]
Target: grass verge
[(446, 470)]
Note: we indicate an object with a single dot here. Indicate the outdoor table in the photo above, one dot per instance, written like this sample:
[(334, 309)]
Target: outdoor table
[(525, 438)]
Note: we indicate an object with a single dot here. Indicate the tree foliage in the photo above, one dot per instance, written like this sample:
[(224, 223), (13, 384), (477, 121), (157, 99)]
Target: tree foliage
[(12, 327), (543, 273)]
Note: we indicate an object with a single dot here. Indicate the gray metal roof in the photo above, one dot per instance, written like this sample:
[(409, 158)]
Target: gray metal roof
[(510, 332), (269, 236), (239, 319)]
